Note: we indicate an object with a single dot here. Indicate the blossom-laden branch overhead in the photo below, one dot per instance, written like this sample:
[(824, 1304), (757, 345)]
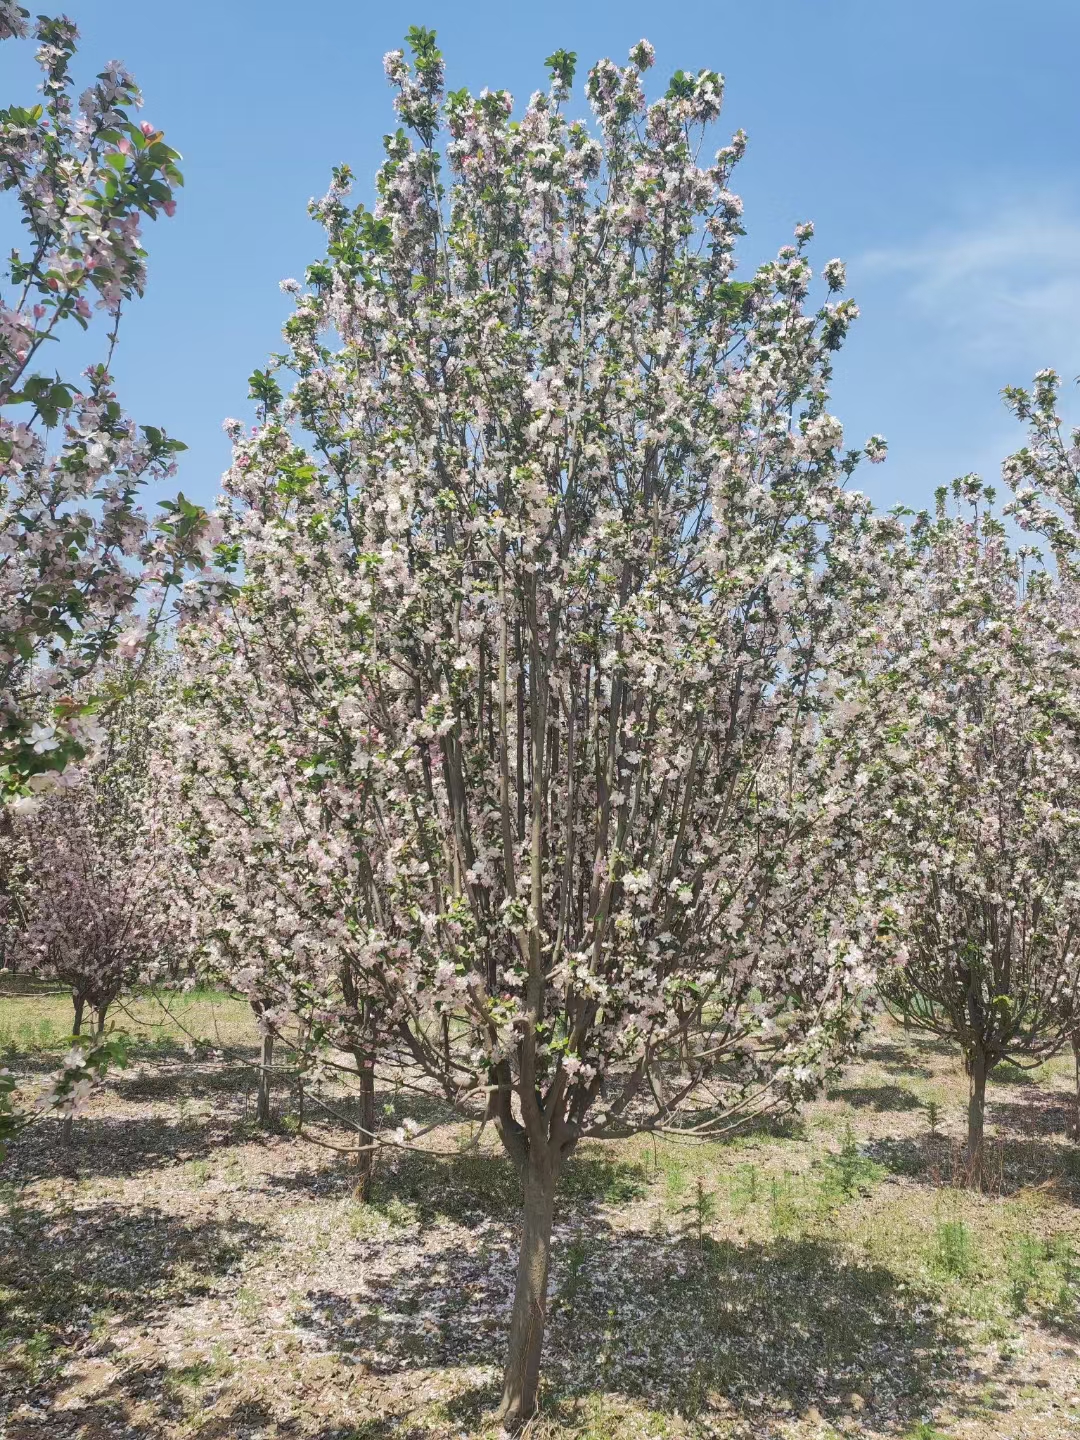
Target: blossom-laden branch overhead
[(76, 548)]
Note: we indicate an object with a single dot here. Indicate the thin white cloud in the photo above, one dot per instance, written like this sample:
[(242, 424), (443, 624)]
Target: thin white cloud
[(1003, 288)]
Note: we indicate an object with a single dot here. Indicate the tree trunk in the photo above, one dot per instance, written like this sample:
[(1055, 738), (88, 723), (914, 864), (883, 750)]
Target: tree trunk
[(978, 1070), (365, 1160), (102, 1011), (1076, 1060), (67, 1125), (266, 1061), (522, 1376)]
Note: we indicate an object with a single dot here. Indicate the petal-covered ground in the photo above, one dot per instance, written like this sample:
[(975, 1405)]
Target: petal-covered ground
[(176, 1273)]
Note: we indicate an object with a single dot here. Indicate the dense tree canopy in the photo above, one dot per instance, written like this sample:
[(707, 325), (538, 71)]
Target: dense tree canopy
[(530, 733)]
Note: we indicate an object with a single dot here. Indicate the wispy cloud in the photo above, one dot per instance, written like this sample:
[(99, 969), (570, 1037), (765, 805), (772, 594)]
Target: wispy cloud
[(1004, 287)]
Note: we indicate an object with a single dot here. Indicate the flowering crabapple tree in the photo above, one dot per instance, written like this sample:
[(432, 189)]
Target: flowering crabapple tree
[(75, 546), (99, 910), (538, 686), (979, 796), (98, 913), (13, 889), (1045, 479), (107, 914)]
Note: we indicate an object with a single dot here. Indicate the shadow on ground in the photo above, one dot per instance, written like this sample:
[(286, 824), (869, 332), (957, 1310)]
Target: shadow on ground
[(1039, 1113), (112, 1148), (65, 1275), (881, 1098), (469, 1188), (759, 1329), (896, 1059), (1013, 1163)]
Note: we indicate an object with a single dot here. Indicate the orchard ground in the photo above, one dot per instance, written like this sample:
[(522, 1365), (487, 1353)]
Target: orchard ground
[(177, 1273)]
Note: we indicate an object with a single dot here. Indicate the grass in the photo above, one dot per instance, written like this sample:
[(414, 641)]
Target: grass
[(178, 1273), (951, 1251), (36, 1018)]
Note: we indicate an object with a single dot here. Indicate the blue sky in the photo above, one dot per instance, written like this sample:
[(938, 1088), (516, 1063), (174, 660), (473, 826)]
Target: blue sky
[(933, 144)]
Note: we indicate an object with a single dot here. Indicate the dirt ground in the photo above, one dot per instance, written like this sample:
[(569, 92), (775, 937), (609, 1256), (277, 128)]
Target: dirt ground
[(175, 1272)]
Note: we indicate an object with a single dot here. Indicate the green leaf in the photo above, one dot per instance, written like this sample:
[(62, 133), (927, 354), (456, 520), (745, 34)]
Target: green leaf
[(562, 65)]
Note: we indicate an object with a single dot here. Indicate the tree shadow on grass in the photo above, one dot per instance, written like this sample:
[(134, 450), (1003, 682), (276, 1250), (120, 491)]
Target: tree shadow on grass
[(1007, 1074), (187, 1081), (896, 1059), (1039, 1113), (752, 1330), (906, 1056), (245, 1417), (469, 1187), (144, 1400), (767, 1127), (881, 1098), (120, 1148), (31, 1053), (1013, 1164), (14, 985), (65, 1275)]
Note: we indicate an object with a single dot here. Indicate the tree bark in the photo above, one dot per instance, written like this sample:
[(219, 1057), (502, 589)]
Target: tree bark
[(67, 1125), (522, 1376), (978, 1069), (101, 1013), (365, 1160), (266, 1061)]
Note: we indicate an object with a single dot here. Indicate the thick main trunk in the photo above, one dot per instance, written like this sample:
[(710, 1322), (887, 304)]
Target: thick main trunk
[(978, 1069), (522, 1377), (101, 1013), (365, 1159), (266, 1061)]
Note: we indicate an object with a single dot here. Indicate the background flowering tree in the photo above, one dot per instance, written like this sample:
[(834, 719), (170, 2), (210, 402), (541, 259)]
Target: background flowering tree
[(979, 798), (92, 898), (1045, 473), (98, 910), (538, 696), (75, 547)]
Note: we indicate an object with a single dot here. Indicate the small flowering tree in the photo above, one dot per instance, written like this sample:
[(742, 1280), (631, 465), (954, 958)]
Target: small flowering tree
[(13, 881), (98, 913), (980, 797), (528, 747), (75, 547), (273, 916)]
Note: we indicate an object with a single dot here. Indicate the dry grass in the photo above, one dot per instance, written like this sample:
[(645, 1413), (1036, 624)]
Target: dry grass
[(175, 1273)]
